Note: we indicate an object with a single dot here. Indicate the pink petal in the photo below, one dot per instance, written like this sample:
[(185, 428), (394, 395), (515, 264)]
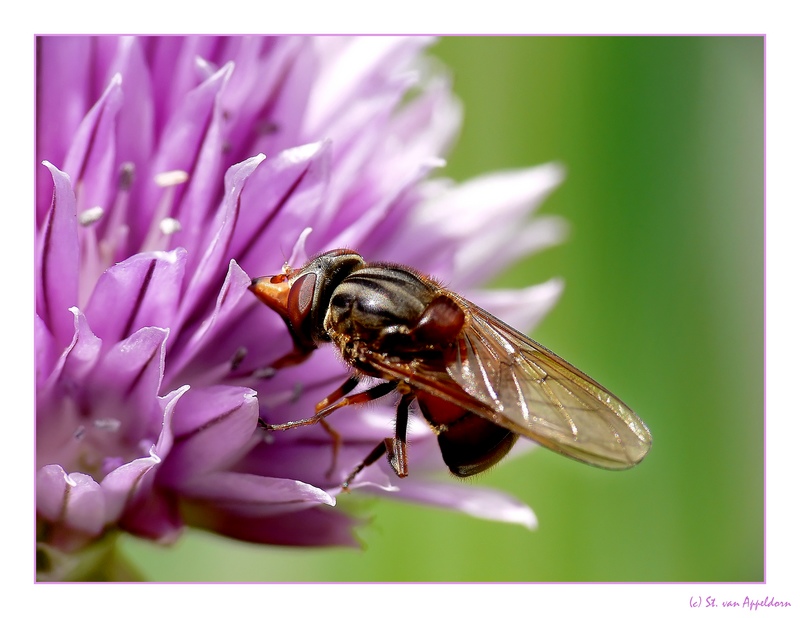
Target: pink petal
[(311, 527), (206, 265), (190, 142), (72, 500), (81, 356), (57, 256), (76, 361), (175, 72), (207, 356), (280, 199), (63, 96), (154, 516), (254, 496), (262, 79), (212, 428), (522, 308), (55, 394), (135, 127), (295, 70), (308, 458), (144, 290), (355, 69), (51, 486), (148, 511), (482, 217), (478, 502), (122, 484), (128, 381), (90, 161), (45, 352)]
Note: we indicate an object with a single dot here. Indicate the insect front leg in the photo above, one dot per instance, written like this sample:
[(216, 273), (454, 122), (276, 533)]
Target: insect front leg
[(337, 399), (324, 408)]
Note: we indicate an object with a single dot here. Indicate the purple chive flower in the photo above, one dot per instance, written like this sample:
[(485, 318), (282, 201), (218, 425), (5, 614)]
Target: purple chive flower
[(174, 170)]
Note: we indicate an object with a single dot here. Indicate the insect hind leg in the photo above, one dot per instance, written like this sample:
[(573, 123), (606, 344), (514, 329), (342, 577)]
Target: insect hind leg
[(396, 448)]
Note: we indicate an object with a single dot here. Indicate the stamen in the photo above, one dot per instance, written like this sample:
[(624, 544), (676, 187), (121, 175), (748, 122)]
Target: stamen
[(169, 226), (264, 373), (126, 175), (92, 259), (297, 390), (266, 127), (205, 68), (171, 178), (156, 239), (112, 246), (89, 216), (108, 424), (238, 357), (79, 433)]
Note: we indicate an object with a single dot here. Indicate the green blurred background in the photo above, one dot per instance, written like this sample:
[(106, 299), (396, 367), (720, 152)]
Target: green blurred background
[(663, 143)]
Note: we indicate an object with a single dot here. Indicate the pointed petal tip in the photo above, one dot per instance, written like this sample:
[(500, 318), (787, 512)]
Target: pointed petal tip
[(299, 254)]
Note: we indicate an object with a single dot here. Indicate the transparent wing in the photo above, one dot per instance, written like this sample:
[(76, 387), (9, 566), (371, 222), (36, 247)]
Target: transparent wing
[(509, 379), (531, 391)]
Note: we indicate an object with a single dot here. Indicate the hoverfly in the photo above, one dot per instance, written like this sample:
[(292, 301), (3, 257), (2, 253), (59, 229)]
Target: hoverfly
[(479, 383)]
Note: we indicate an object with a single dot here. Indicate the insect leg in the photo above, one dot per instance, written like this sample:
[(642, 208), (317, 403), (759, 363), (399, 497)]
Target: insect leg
[(340, 392), (379, 390), (374, 456), (345, 388), (398, 453), (336, 443), (394, 447)]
